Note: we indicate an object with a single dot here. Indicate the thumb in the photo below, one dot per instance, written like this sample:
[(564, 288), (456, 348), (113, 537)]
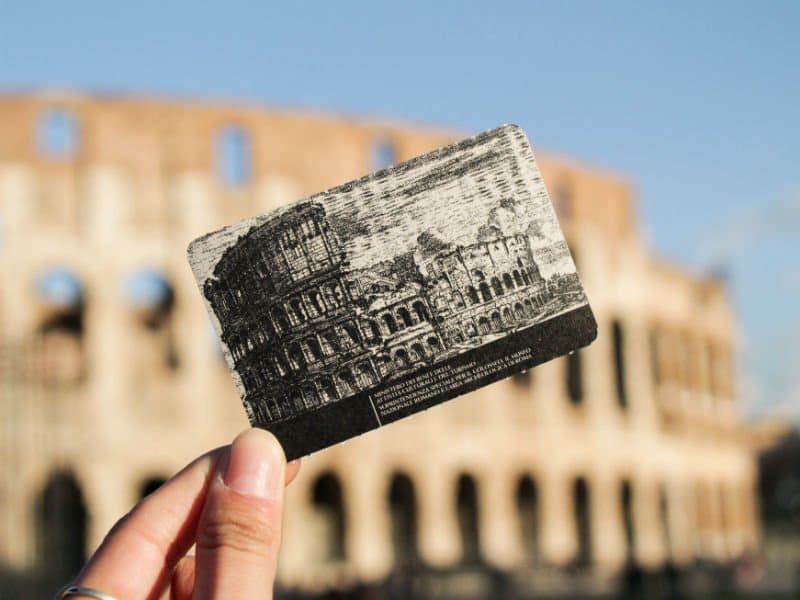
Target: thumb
[(239, 531)]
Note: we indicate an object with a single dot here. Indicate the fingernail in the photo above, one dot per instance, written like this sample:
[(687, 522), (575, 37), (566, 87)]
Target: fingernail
[(255, 465)]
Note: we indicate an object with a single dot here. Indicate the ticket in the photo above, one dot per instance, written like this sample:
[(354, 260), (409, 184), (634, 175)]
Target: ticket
[(384, 296)]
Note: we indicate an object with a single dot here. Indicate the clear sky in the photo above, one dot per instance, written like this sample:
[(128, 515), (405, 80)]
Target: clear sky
[(697, 102)]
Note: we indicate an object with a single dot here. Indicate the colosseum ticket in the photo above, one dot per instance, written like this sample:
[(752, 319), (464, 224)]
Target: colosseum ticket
[(382, 297)]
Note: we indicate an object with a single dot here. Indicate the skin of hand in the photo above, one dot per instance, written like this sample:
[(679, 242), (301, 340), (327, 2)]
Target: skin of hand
[(228, 504)]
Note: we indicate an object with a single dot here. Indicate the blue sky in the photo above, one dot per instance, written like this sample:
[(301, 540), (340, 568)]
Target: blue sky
[(697, 102)]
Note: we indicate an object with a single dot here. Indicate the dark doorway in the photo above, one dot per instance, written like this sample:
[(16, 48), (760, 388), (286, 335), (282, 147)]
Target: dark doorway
[(62, 520)]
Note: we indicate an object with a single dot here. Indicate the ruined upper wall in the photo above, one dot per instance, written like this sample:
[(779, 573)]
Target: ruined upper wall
[(154, 139)]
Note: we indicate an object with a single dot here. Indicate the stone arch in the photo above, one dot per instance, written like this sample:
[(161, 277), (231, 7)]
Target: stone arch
[(310, 396), (422, 312), (529, 512), (418, 350), (61, 520), (483, 325), (347, 382), (298, 311), (528, 307), (327, 500), (496, 323), (281, 364), (486, 294), (519, 312), (507, 316), (374, 329), (497, 287), (581, 512), (403, 513), (327, 389), (470, 329), (508, 282), (352, 333), (280, 319), (518, 278), (468, 519), (314, 348), (402, 359), (526, 280), (404, 316), (365, 375), (331, 340), (472, 296), (391, 324), (332, 294), (297, 357), (315, 299)]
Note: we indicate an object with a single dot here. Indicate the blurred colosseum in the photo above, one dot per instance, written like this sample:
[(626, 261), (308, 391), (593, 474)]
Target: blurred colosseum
[(629, 454)]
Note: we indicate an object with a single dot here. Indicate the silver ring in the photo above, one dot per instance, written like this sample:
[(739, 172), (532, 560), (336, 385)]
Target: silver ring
[(77, 590)]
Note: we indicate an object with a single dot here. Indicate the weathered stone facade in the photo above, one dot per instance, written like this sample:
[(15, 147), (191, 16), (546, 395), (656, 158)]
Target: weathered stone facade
[(631, 449)]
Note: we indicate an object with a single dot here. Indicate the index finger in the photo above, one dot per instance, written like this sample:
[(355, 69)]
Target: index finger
[(138, 555)]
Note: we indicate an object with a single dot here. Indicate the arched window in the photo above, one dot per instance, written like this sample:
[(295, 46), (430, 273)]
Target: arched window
[(327, 389), (574, 379), (314, 348), (528, 510), (328, 503), (297, 357), (347, 382), (298, 310), (403, 511), (58, 134), (60, 335), (405, 316), (375, 331), (519, 312), (61, 527), (582, 515), (280, 319), (433, 344), (472, 295), (626, 506), (422, 312), (486, 295), (401, 359), (496, 322), (391, 324), (352, 333), (619, 364), (149, 293), (468, 525), (497, 286), (518, 278), (316, 301), (508, 282), (365, 375), (232, 156)]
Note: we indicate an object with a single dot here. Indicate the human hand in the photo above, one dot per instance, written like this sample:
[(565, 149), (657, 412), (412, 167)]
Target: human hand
[(228, 503)]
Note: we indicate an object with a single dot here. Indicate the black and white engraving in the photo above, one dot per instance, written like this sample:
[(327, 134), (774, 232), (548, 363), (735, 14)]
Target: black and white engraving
[(443, 273)]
